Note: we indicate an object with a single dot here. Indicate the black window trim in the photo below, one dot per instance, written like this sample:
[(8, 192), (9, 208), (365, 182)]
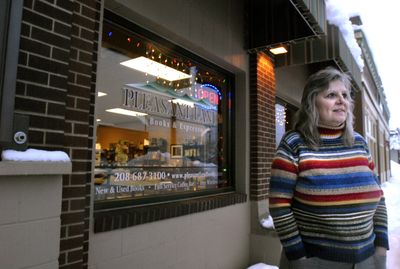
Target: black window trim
[(10, 29)]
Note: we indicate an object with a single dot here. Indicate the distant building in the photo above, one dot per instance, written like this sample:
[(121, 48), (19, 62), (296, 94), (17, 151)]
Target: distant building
[(395, 145), (372, 111)]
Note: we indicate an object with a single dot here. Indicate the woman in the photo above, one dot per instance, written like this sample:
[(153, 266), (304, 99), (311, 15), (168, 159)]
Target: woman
[(327, 205)]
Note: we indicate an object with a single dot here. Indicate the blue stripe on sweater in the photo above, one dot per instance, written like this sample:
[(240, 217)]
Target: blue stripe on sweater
[(337, 181)]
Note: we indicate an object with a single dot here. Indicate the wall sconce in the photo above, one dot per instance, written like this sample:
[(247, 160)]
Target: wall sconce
[(100, 94)]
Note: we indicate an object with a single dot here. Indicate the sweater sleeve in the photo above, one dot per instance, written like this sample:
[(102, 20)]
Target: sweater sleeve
[(380, 216), (284, 172), (380, 225)]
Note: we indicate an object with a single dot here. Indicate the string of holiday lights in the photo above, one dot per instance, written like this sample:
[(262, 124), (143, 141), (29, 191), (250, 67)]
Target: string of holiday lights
[(156, 54), (280, 115), (203, 82)]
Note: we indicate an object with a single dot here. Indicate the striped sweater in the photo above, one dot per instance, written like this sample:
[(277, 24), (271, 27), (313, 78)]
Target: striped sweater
[(327, 202)]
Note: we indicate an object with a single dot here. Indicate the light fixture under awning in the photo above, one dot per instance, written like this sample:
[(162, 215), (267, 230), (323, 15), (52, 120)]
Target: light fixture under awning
[(154, 68), (278, 50)]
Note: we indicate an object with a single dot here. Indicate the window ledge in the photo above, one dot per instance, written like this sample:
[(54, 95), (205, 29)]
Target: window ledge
[(108, 220), (12, 168)]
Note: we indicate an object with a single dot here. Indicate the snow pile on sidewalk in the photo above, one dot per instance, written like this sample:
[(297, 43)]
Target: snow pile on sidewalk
[(391, 189), (34, 155), (267, 222), (262, 266), (395, 167)]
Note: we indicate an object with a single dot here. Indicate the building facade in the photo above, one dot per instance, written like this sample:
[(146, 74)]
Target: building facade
[(394, 146), (374, 112), (170, 112)]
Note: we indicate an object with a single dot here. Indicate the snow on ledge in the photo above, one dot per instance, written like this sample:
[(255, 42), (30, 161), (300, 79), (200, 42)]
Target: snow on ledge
[(34, 155), (337, 14), (262, 266), (267, 222)]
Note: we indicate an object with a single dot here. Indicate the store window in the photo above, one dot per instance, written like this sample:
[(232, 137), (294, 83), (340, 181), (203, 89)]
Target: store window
[(163, 120), (280, 122), (284, 118)]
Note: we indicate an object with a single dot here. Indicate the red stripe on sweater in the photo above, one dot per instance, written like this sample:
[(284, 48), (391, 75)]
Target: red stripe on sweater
[(371, 166), (284, 165), (339, 163), (279, 200)]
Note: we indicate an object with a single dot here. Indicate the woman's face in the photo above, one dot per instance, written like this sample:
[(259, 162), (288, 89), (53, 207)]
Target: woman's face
[(333, 104)]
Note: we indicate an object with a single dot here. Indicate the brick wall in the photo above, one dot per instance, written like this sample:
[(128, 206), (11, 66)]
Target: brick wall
[(55, 87), (262, 123)]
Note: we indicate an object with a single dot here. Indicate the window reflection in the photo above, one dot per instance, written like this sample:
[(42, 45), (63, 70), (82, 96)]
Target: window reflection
[(284, 117), (162, 125)]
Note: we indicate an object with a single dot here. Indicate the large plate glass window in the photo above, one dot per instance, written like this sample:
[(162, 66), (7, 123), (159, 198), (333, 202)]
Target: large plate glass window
[(163, 120)]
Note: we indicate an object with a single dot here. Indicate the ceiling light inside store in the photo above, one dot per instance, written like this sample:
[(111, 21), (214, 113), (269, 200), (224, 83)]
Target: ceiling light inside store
[(182, 102), (100, 94), (278, 50), (125, 112), (154, 68)]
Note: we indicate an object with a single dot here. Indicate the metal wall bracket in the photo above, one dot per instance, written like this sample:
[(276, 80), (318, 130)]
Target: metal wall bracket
[(20, 132)]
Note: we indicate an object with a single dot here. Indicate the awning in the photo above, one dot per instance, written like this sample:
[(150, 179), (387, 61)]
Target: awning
[(273, 22), (330, 48)]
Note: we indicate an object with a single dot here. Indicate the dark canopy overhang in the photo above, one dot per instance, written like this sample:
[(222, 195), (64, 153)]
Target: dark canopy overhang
[(329, 49), (273, 22)]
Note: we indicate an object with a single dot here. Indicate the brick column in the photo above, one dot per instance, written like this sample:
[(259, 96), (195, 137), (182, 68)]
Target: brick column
[(262, 123), (79, 134), (56, 88)]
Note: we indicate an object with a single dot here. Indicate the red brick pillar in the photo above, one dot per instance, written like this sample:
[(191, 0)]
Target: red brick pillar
[(262, 123)]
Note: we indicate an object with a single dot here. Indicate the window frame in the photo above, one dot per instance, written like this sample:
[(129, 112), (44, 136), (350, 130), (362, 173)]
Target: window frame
[(10, 29), (143, 202)]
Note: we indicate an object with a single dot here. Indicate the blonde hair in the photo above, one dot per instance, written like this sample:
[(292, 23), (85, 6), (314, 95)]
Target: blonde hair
[(307, 117)]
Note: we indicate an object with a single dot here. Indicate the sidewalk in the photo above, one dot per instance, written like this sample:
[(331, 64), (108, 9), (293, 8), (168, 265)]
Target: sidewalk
[(392, 195)]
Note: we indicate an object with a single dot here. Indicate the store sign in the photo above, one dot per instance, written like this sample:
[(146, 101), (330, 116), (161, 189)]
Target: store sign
[(209, 94), (180, 125), (151, 103)]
